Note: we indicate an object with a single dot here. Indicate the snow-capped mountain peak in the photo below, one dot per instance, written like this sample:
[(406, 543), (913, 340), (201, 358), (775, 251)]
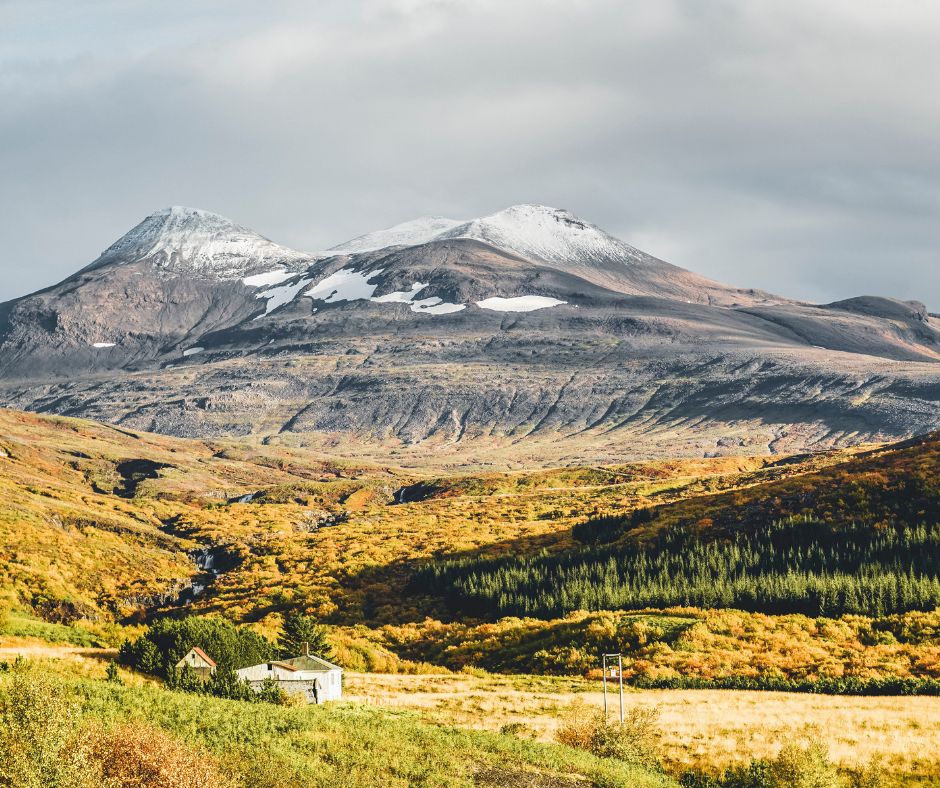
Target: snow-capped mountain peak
[(412, 233), (551, 234), (180, 240), (532, 231)]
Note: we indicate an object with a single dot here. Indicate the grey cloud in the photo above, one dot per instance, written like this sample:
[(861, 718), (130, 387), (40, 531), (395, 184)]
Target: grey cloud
[(790, 147)]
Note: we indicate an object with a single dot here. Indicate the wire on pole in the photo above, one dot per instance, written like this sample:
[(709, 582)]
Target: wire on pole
[(604, 659), (620, 676)]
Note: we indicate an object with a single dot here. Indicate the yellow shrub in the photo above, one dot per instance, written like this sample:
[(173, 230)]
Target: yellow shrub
[(138, 756)]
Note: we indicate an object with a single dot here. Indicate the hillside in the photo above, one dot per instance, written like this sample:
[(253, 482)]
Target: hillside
[(90, 525), (284, 527), (860, 536), (380, 555), (101, 521), (86, 730)]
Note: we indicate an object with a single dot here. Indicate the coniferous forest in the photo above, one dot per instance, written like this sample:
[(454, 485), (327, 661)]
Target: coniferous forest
[(798, 565)]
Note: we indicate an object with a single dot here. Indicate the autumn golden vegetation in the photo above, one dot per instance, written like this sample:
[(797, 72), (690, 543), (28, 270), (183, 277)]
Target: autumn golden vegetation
[(104, 531), (94, 544)]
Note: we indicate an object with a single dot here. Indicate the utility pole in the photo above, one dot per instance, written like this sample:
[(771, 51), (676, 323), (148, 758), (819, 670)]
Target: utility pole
[(619, 671)]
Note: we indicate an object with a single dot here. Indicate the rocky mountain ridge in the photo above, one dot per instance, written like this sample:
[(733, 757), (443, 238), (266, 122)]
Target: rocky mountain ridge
[(529, 332)]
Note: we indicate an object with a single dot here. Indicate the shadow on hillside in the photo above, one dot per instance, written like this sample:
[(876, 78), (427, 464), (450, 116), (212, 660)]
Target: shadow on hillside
[(388, 595)]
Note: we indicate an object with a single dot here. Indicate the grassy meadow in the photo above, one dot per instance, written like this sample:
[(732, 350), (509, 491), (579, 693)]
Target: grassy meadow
[(706, 729), (197, 740)]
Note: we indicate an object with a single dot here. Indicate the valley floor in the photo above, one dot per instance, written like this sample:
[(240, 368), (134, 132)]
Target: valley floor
[(706, 728)]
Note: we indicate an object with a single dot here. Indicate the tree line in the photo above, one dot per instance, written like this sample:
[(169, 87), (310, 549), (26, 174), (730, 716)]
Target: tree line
[(798, 565)]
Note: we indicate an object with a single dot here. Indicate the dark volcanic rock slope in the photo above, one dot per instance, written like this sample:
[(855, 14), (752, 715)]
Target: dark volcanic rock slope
[(530, 333)]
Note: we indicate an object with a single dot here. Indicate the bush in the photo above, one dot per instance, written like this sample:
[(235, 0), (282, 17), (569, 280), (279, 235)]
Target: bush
[(871, 776), (578, 729), (184, 679), (636, 741), (271, 693), (112, 674), (138, 755), (795, 767), (804, 767), (518, 729), (757, 774), (224, 683), (39, 743)]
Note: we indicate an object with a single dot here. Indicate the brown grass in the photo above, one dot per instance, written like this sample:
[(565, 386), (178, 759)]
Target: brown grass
[(701, 728)]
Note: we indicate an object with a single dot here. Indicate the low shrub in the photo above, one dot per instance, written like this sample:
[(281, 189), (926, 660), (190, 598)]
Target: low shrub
[(796, 766), (804, 767), (635, 741), (518, 729), (136, 755), (40, 744)]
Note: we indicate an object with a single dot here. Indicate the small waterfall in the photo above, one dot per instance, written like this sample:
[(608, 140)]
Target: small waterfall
[(207, 560)]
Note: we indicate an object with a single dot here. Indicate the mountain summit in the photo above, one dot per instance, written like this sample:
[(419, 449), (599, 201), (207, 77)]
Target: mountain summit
[(557, 238), (530, 332), (550, 234), (191, 241)]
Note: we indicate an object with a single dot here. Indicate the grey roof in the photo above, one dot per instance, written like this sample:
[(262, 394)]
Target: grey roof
[(309, 662)]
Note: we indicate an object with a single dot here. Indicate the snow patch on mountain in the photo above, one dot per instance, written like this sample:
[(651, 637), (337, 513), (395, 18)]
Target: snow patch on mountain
[(344, 285), (401, 296), (103, 344), (278, 296), (434, 306), (269, 278), (191, 241), (193, 351), (428, 306), (528, 303)]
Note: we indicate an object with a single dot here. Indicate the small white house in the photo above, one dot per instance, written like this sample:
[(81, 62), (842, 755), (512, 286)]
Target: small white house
[(315, 679), (198, 662)]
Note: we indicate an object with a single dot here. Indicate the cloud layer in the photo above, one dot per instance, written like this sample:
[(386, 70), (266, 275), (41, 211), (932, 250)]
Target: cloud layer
[(787, 146)]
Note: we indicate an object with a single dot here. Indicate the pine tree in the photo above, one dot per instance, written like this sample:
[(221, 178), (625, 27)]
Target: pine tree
[(225, 683), (112, 674), (299, 628)]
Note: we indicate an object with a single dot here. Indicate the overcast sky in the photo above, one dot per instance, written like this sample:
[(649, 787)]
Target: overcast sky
[(790, 145)]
